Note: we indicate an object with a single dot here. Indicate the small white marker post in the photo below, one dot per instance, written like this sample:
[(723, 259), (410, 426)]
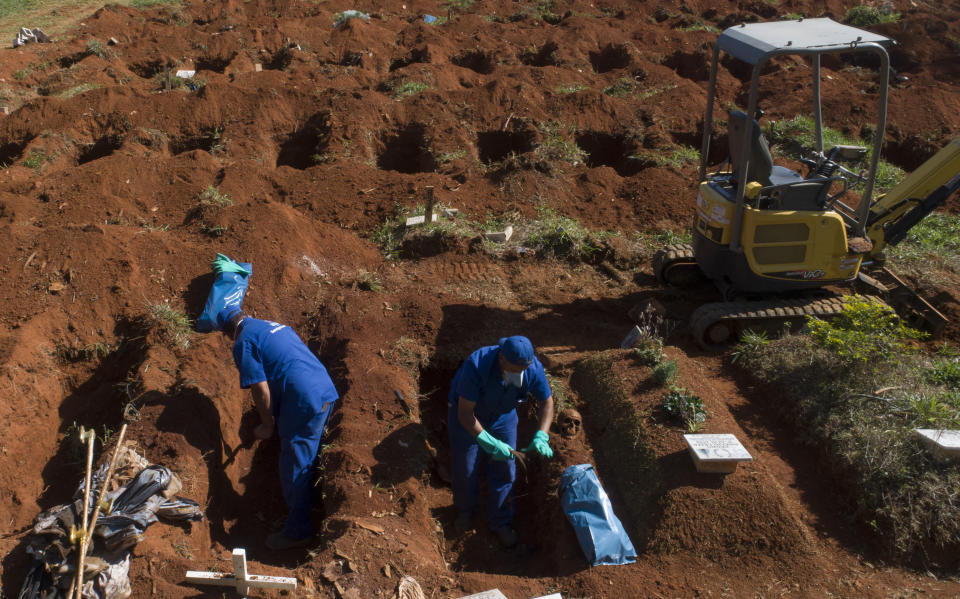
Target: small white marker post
[(240, 579)]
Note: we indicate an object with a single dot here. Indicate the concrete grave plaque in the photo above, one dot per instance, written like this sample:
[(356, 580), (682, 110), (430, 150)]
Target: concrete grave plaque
[(419, 220), (491, 594), (942, 442), (500, 236), (716, 453), (553, 596)]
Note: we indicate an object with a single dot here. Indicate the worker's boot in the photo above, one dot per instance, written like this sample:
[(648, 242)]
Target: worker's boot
[(279, 541), (507, 536)]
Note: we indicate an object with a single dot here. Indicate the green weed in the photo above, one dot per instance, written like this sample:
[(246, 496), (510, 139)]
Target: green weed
[(555, 147), (937, 235), (36, 159), (864, 329), (213, 230), (96, 47), (649, 93), (946, 373), (623, 87), (213, 197), (664, 372), (450, 156), (676, 158), (409, 88), (571, 88), (700, 27), (751, 344), (174, 325), (556, 235), (685, 407), (368, 281), (864, 16), (79, 89)]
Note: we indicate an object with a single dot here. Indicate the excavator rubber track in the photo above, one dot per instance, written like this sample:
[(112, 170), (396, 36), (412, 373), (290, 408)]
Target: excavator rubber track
[(719, 324), (676, 265)]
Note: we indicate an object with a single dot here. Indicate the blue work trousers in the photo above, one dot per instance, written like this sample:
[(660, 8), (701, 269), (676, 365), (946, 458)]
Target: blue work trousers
[(468, 458), (298, 456)]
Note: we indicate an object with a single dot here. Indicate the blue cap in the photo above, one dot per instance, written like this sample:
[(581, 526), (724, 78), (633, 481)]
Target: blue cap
[(517, 350), (224, 316)]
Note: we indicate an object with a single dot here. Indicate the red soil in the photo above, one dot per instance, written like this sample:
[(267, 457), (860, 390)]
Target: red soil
[(103, 219)]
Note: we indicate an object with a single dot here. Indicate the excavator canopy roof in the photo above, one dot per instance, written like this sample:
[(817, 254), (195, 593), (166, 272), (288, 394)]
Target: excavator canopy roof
[(754, 42)]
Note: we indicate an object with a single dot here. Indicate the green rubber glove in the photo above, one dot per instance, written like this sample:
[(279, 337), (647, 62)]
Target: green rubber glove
[(223, 264), (540, 444), (497, 449)]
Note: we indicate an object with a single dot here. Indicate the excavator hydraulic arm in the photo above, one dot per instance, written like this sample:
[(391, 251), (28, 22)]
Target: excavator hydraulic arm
[(919, 194)]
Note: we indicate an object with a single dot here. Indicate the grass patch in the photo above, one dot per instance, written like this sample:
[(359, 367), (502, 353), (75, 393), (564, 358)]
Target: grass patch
[(450, 156), (623, 449), (571, 88), (555, 147), (409, 88), (675, 158), (172, 324), (409, 353), (79, 89), (654, 91), (623, 87), (556, 235), (368, 281), (215, 231), (860, 415), (796, 139), (37, 158), (211, 197), (864, 16), (864, 330), (936, 238), (699, 27)]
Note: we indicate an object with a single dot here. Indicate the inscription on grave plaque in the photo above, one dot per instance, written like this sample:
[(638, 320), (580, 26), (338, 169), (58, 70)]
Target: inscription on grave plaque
[(716, 453)]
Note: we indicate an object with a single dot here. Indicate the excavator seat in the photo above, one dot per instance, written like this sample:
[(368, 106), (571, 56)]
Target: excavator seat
[(783, 189)]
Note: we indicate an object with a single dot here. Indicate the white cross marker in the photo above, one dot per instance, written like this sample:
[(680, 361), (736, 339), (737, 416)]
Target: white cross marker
[(240, 579)]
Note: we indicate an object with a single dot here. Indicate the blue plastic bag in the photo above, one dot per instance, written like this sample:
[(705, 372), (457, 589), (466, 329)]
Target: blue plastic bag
[(588, 509), (228, 290)]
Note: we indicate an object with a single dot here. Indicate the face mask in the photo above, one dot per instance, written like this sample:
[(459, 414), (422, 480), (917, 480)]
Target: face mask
[(513, 378)]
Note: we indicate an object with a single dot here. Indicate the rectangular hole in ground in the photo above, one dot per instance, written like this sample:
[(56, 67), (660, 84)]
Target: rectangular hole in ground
[(547, 545)]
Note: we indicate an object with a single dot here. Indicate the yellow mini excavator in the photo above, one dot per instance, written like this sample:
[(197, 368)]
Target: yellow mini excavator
[(772, 239)]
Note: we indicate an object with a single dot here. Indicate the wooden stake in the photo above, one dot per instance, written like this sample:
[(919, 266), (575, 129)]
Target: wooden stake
[(103, 491), (90, 437), (428, 213)]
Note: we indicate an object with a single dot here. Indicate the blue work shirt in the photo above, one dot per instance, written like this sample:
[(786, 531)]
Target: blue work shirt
[(299, 384), (480, 380)]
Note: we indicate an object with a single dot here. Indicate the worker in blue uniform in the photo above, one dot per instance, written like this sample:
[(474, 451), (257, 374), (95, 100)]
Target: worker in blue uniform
[(292, 391), (482, 424)]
